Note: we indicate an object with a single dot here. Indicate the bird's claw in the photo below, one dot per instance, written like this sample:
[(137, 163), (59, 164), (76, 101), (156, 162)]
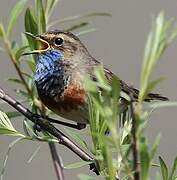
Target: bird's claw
[(94, 168)]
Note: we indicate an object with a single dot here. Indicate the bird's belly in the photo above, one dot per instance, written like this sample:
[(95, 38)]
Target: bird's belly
[(79, 115), (72, 105)]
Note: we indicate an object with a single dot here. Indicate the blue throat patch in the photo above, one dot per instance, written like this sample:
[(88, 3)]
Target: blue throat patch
[(49, 76)]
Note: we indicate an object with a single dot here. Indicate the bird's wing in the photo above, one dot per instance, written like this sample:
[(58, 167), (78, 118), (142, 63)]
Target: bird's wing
[(129, 89)]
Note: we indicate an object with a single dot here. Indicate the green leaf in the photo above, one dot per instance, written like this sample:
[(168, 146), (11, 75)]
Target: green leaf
[(85, 177), (101, 78), (90, 85), (50, 4), (155, 105), (33, 155), (5, 122), (41, 21), (151, 86), (77, 165), (6, 128), (90, 30), (77, 26), (21, 92), (16, 11), (18, 81), (173, 170), (2, 32), (154, 147), (27, 75), (7, 156), (13, 114), (32, 64), (115, 85), (30, 22), (144, 159), (164, 169), (76, 137), (158, 40), (77, 17), (20, 51), (31, 26)]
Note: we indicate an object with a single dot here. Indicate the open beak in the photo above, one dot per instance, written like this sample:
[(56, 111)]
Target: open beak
[(44, 45)]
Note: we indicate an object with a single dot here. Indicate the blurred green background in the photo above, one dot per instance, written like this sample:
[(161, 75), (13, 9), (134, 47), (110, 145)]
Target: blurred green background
[(119, 44)]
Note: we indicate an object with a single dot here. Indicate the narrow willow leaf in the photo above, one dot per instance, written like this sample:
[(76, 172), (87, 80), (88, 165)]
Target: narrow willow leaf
[(155, 105), (16, 11), (14, 45), (173, 170), (144, 159), (10, 132), (90, 85), (27, 75), (13, 114), (32, 64), (158, 176), (31, 26), (101, 78), (81, 33), (50, 4), (164, 169), (115, 85), (20, 51), (173, 35), (33, 155), (2, 32), (29, 130), (41, 21), (158, 40), (155, 146), (77, 26), (7, 156), (18, 81), (6, 128), (5, 122), (77, 17), (22, 93), (76, 137), (77, 165), (151, 86), (85, 177)]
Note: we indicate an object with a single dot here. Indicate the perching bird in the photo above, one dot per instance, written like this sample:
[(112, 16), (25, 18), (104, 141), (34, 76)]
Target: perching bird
[(61, 67)]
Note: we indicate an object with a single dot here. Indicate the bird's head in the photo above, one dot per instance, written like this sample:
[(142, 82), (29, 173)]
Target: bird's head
[(66, 43)]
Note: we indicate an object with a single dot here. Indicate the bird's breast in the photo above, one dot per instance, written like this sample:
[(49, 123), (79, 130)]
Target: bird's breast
[(71, 105), (73, 98)]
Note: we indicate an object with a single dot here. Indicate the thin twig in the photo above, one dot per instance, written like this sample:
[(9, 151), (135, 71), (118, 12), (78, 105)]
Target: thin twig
[(134, 142), (57, 162), (14, 61), (46, 126)]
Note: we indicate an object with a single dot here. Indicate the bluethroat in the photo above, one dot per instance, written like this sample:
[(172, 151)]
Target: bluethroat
[(62, 64)]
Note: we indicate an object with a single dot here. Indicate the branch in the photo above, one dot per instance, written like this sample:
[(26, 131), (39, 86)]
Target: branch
[(134, 142), (56, 161), (46, 126)]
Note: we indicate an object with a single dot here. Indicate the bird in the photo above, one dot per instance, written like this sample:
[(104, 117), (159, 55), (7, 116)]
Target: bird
[(62, 63)]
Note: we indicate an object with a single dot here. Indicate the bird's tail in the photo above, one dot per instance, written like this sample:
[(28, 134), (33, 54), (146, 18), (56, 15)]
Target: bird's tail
[(153, 96), (135, 92), (150, 96)]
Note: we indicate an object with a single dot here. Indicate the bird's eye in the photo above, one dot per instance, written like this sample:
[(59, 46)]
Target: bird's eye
[(58, 41)]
